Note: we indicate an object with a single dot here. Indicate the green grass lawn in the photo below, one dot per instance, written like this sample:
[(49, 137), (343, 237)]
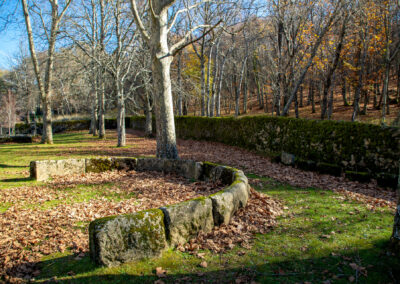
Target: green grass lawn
[(320, 237)]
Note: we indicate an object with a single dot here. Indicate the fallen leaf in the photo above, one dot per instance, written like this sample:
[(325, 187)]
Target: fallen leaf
[(161, 272), (203, 264)]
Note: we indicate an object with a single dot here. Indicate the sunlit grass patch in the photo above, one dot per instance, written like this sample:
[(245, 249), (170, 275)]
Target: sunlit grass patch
[(320, 237)]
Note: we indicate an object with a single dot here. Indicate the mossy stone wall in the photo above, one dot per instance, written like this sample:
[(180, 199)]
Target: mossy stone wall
[(352, 146), (355, 147)]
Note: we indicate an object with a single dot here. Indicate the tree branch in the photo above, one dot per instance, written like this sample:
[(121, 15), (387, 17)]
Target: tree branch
[(139, 22), (184, 41)]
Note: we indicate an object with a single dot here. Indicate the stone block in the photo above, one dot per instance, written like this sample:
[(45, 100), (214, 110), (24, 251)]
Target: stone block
[(99, 165), (150, 164), (358, 176), (186, 219), (228, 201), (306, 165), (388, 180), (186, 168), (223, 207), (330, 169), (216, 172), (287, 159), (118, 239), (123, 163), (42, 170)]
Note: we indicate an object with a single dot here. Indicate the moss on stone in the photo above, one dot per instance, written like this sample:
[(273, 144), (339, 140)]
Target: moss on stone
[(387, 180), (330, 169), (117, 239), (99, 165), (358, 176), (306, 165)]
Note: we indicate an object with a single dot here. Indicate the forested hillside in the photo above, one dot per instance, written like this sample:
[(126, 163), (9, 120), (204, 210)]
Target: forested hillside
[(315, 59)]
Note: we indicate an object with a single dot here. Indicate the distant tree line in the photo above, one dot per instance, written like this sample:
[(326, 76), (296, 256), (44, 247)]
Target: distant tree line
[(210, 58)]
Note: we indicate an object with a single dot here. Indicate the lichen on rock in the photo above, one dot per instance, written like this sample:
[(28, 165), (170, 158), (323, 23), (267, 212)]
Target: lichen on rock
[(186, 219), (118, 239)]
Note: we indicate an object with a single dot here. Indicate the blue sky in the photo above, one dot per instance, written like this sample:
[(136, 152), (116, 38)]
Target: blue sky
[(13, 33), (9, 42)]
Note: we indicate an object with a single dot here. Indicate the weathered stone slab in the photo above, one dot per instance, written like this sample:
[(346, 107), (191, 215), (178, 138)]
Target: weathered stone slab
[(186, 168), (150, 164), (287, 159), (186, 219), (228, 201), (118, 239), (215, 172), (240, 176), (240, 194), (99, 165), (42, 170), (125, 163), (223, 207)]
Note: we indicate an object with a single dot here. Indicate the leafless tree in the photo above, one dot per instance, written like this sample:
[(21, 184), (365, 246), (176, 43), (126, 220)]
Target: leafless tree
[(45, 86)]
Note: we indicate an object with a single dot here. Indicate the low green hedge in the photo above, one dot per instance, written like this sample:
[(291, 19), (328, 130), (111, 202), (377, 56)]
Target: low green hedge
[(69, 125), (351, 146), (58, 126)]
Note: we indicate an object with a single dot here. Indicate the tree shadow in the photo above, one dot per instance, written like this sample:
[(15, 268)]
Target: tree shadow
[(3, 166), (376, 266), (26, 179)]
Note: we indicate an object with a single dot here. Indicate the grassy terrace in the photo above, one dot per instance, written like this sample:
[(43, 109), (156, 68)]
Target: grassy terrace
[(321, 236)]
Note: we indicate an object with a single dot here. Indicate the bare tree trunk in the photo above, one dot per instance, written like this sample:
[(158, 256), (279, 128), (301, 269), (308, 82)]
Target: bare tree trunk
[(395, 238), (202, 81), (357, 94), (385, 92), (344, 91), (166, 140), (102, 125), (179, 102), (296, 106), (398, 84), (214, 84), (220, 80), (237, 96), (162, 56), (121, 120), (208, 80), (238, 87), (93, 121), (46, 88), (330, 102), (311, 98), (301, 95), (309, 63), (245, 92), (366, 101), (148, 129), (185, 106), (264, 100)]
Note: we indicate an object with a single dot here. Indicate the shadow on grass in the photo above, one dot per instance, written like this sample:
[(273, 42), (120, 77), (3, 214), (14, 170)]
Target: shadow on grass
[(64, 153), (3, 166), (17, 179), (380, 267)]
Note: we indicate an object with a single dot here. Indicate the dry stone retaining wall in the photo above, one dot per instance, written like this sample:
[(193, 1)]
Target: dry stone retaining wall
[(117, 239)]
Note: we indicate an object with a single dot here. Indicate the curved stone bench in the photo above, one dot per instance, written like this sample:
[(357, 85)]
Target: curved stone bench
[(117, 239)]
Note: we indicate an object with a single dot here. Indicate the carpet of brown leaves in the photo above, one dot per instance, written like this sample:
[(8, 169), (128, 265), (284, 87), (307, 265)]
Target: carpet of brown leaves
[(249, 162), (27, 233), (259, 216)]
